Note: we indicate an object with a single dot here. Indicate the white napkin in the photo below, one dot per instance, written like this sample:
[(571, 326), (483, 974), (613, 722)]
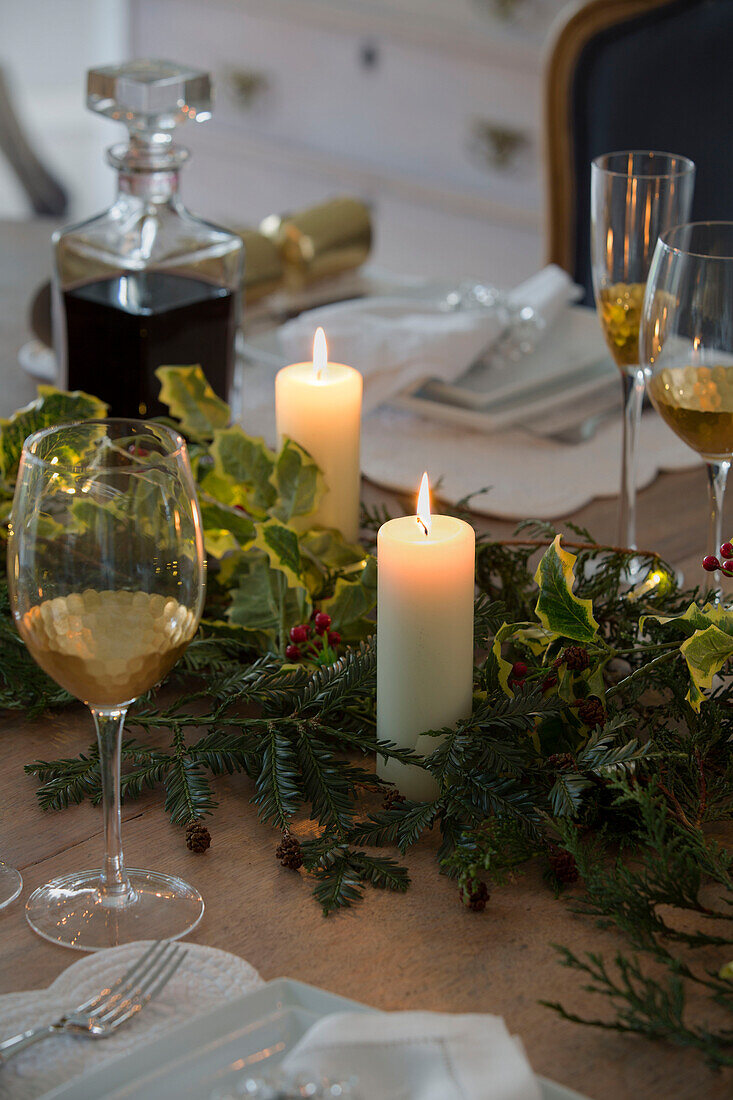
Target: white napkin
[(396, 341), (417, 1056)]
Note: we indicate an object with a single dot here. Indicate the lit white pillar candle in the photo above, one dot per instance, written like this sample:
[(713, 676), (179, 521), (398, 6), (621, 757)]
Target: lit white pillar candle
[(424, 635), (318, 405)]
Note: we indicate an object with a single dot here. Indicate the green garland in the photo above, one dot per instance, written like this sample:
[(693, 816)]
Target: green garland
[(600, 741)]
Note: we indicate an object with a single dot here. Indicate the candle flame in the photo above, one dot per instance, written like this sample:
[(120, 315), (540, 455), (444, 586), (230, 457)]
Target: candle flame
[(423, 505), (320, 355)]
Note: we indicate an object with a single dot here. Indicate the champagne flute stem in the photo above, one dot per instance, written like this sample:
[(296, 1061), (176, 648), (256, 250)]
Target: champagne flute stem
[(115, 886), (634, 383), (717, 478)]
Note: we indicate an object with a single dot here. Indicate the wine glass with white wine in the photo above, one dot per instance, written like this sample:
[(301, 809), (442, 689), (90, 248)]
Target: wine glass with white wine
[(106, 574), (686, 340), (635, 196)]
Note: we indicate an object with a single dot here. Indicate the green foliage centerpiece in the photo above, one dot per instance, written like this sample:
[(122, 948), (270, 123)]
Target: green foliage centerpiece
[(600, 741)]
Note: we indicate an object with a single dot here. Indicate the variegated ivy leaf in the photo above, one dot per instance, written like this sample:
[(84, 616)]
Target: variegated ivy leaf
[(280, 544), (191, 400), (353, 599), (256, 601), (51, 407), (297, 481), (328, 548), (558, 608), (245, 465), (225, 529)]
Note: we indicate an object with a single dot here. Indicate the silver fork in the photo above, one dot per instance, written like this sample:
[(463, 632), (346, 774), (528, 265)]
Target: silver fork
[(102, 1014)]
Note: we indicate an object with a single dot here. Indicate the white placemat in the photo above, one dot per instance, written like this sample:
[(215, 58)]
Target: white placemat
[(205, 979), (530, 477)]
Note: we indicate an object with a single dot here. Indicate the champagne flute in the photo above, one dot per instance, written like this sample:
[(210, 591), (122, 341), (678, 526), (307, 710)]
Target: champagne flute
[(634, 197), (687, 341), (107, 574)]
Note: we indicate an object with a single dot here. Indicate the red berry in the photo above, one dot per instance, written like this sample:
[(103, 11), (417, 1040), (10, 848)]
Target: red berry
[(519, 670), (299, 634), (727, 568), (710, 563), (292, 653), (323, 622), (549, 682), (135, 449), (726, 550), (334, 638)]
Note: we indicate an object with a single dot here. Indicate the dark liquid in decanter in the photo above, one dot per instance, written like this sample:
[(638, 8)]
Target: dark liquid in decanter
[(120, 330)]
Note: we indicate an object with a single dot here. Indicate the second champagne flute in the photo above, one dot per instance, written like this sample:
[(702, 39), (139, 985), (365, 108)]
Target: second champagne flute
[(635, 196), (106, 576)]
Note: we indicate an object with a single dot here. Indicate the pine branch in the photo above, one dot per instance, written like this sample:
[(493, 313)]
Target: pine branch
[(324, 783), (68, 781), (278, 795), (188, 792), (339, 885)]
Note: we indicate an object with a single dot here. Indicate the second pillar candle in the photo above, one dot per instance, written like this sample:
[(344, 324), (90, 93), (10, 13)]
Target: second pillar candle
[(318, 405)]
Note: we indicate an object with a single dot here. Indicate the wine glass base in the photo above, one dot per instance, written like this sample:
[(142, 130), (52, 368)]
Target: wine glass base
[(11, 884), (71, 911)]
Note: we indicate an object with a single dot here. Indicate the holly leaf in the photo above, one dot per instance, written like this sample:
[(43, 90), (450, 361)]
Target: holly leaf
[(298, 482), (705, 653), (695, 618), (191, 400), (280, 544), (243, 466), (558, 608), (51, 407), (501, 669)]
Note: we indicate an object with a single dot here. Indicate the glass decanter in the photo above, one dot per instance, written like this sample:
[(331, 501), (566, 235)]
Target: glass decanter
[(145, 284)]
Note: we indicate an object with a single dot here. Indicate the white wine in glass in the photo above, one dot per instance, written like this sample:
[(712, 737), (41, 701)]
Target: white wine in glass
[(635, 195), (106, 575), (686, 342)]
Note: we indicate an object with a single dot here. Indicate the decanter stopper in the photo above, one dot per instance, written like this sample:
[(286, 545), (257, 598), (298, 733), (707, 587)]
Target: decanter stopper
[(150, 97)]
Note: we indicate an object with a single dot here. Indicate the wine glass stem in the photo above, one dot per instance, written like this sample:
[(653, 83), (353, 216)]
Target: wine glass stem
[(717, 478), (115, 886), (634, 383)]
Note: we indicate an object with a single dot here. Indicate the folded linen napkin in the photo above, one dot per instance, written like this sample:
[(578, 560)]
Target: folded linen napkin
[(416, 1056), (398, 340)]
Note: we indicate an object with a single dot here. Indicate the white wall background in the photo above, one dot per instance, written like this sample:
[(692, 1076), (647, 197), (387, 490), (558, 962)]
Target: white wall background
[(46, 46)]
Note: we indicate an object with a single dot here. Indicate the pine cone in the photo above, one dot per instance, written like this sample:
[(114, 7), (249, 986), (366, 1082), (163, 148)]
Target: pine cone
[(392, 798), (474, 894), (576, 658), (289, 852), (591, 712), (198, 837), (562, 864), (561, 761)]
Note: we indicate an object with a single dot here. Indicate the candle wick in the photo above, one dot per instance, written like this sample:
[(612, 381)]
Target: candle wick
[(423, 524)]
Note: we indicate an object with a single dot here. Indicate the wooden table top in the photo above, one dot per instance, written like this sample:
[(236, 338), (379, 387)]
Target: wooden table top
[(418, 950)]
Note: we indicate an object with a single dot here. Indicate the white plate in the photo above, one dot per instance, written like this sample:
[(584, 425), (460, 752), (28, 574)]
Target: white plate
[(213, 1050), (568, 378)]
